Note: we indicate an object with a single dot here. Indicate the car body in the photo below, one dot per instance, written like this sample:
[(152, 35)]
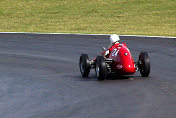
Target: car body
[(119, 61)]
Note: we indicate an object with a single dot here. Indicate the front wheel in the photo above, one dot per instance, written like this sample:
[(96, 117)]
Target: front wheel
[(100, 68), (144, 64), (84, 65)]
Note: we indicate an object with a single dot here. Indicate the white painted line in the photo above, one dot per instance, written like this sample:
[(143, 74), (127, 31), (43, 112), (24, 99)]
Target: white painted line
[(86, 34), (47, 33), (148, 36)]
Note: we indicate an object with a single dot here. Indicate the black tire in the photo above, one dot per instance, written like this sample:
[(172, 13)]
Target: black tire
[(84, 65), (144, 64), (100, 68)]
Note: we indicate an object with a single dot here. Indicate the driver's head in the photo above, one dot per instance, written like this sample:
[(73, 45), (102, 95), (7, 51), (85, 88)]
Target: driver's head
[(113, 39)]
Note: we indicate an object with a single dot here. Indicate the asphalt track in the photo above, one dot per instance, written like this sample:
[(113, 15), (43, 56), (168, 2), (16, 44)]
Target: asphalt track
[(40, 78)]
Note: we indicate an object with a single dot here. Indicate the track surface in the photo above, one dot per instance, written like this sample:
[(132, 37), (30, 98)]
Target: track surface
[(40, 78)]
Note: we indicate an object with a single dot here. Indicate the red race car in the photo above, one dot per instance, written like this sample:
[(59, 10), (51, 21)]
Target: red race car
[(119, 61)]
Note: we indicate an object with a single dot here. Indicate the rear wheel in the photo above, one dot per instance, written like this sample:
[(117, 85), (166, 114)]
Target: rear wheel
[(84, 65), (144, 64), (100, 68)]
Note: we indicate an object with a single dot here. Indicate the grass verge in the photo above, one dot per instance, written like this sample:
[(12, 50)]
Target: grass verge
[(135, 17)]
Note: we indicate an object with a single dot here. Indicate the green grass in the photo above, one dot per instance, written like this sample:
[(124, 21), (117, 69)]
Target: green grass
[(136, 17)]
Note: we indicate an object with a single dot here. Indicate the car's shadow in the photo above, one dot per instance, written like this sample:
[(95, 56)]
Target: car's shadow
[(122, 77), (117, 77), (92, 77)]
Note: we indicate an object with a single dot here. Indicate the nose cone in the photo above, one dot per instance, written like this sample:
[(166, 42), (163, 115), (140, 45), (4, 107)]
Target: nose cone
[(123, 61), (128, 69), (126, 65)]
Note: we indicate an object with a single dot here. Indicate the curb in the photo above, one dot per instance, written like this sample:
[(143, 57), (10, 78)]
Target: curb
[(87, 34)]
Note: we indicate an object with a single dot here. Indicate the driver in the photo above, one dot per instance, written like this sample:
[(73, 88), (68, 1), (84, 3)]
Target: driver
[(114, 42)]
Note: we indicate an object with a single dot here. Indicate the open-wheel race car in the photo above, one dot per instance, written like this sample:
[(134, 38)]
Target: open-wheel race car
[(119, 61)]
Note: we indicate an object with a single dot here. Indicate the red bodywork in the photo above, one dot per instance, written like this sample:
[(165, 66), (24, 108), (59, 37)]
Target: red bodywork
[(123, 62)]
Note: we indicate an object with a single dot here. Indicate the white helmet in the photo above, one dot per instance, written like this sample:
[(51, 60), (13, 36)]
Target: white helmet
[(114, 38)]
